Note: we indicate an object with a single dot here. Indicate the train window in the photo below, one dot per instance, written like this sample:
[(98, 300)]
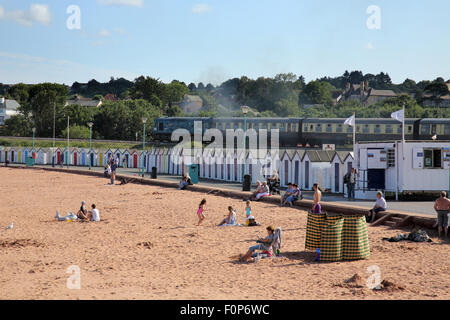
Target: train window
[(224, 126), (366, 128), (349, 129), (311, 127), (339, 128), (377, 128), (161, 126), (358, 128), (263, 125), (389, 128), (319, 128), (296, 127), (269, 125), (433, 129), (409, 129), (399, 129), (281, 126), (447, 129), (425, 129), (329, 128)]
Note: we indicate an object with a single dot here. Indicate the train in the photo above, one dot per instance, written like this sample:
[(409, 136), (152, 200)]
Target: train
[(303, 132)]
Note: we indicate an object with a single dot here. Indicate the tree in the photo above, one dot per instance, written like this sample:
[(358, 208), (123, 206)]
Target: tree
[(316, 92), (148, 87), (77, 132), (176, 92), (17, 126), (201, 86), (436, 90), (192, 87)]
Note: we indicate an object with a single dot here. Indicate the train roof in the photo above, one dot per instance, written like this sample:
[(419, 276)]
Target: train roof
[(256, 119)]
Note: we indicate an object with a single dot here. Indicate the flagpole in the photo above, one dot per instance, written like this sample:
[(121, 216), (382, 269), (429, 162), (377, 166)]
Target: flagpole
[(403, 133), (354, 132)]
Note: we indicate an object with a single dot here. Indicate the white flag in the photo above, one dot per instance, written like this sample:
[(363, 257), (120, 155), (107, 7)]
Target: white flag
[(350, 121), (398, 115)]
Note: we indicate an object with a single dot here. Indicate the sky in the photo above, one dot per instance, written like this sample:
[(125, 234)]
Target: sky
[(212, 41)]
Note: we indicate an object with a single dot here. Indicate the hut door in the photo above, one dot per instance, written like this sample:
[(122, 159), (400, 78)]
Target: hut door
[(12, 156), (286, 172), (336, 177), (296, 171), (135, 160), (306, 174), (75, 158), (235, 170)]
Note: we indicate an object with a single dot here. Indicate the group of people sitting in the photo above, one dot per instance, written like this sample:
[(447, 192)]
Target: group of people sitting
[(291, 195), (262, 190), (185, 181), (82, 215)]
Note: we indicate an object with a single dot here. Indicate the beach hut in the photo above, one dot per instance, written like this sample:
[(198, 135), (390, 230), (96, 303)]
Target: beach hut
[(127, 161), (286, 167), (219, 165), (297, 167), (75, 157), (84, 160), (337, 171), (316, 169), (2, 154), (133, 160), (41, 157), (229, 161)]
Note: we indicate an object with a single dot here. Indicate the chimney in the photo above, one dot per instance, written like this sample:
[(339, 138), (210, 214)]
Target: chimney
[(347, 87), (367, 85)]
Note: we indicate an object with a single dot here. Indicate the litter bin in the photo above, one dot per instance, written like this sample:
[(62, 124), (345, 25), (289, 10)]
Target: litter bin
[(247, 183), (193, 173), (30, 161), (153, 172)]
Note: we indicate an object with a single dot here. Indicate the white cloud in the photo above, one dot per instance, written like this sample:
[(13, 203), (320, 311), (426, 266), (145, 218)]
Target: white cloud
[(39, 13), (131, 3), (104, 33), (120, 30), (201, 8)]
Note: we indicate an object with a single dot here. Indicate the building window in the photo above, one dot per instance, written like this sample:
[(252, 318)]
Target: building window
[(432, 158), (391, 158)]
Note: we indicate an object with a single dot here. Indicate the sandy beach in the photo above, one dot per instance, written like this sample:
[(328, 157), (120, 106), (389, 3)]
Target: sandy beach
[(148, 246)]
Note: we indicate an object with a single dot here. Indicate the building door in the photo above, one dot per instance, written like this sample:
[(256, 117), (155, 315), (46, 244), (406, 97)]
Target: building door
[(286, 172), (337, 181), (135, 160), (306, 174)]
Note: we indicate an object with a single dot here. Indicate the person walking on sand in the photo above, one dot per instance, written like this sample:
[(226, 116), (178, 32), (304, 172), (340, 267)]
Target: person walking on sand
[(200, 214), (317, 209), (442, 207)]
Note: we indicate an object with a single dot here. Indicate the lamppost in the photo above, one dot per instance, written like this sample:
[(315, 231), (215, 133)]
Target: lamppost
[(144, 121), (244, 111), (90, 124), (32, 151)]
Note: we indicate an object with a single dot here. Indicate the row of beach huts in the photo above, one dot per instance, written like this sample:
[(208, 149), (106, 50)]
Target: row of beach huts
[(302, 166)]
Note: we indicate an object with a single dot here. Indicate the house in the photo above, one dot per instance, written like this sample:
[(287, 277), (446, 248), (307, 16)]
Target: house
[(8, 108), (191, 104), (365, 94), (84, 102), (110, 97)]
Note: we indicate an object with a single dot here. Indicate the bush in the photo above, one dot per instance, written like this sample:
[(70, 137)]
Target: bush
[(77, 132)]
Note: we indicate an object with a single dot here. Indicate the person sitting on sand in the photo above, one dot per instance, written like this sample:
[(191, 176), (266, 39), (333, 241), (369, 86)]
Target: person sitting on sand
[(258, 189), (380, 205), (201, 209), (231, 217), (317, 208), (82, 213), (248, 210), (263, 192), (442, 207), (94, 214), (263, 244)]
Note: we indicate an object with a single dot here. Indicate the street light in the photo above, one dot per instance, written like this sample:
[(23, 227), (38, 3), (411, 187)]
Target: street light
[(90, 124), (34, 131), (244, 111), (144, 121)]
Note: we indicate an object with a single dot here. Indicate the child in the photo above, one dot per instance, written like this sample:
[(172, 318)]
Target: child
[(248, 212), (231, 218), (200, 210)]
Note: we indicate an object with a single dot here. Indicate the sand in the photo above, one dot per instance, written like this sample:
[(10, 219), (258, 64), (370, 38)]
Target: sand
[(149, 247)]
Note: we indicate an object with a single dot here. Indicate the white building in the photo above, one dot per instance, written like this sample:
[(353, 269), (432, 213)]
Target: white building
[(394, 167), (8, 108)]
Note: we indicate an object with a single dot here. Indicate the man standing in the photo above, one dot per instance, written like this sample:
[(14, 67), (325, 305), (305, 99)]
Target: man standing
[(350, 180), (442, 206), (316, 200)]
